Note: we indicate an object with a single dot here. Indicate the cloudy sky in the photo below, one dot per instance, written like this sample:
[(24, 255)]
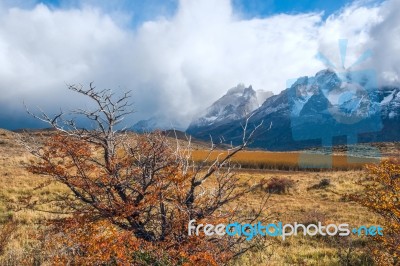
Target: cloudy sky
[(178, 56)]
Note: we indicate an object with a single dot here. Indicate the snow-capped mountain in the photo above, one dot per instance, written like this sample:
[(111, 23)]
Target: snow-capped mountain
[(389, 97), (319, 110), (156, 122), (234, 105)]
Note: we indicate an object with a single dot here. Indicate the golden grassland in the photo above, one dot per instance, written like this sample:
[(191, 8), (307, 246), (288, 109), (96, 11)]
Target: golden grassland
[(300, 204), (305, 205), (287, 160)]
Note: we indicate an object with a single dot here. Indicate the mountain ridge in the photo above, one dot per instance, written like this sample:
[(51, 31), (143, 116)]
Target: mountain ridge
[(318, 111)]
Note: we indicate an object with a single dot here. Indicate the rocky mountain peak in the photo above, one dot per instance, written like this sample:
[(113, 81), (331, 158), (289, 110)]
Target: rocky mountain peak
[(313, 110), (238, 102)]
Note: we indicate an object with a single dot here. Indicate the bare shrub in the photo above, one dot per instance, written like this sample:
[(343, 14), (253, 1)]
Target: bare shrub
[(130, 200), (280, 185), (323, 183)]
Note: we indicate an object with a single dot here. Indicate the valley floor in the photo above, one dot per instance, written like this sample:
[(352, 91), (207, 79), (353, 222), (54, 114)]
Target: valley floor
[(305, 202)]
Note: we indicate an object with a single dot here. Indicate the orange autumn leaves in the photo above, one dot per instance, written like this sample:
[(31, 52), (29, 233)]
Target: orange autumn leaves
[(382, 196), (132, 205)]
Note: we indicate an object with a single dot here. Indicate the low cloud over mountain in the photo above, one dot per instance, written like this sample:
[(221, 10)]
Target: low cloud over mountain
[(176, 62), (315, 111)]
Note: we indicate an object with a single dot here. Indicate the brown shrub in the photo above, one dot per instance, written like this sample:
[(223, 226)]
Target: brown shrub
[(280, 185), (323, 183), (130, 201), (381, 195)]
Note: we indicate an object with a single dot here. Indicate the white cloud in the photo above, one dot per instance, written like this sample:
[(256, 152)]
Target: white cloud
[(352, 24), (181, 64), (385, 38), (41, 49)]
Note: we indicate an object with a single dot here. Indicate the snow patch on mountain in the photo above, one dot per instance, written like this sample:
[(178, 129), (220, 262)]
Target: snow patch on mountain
[(326, 105), (158, 122), (238, 102), (388, 98)]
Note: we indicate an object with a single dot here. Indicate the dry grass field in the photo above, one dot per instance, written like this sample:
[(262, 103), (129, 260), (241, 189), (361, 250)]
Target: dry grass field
[(305, 202), (288, 161), (16, 183)]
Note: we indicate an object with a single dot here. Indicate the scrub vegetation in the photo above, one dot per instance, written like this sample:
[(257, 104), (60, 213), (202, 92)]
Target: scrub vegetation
[(71, 196), (307, 201)]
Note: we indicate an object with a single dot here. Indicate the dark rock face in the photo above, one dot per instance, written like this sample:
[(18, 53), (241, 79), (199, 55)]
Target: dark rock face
[(322, 110)]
